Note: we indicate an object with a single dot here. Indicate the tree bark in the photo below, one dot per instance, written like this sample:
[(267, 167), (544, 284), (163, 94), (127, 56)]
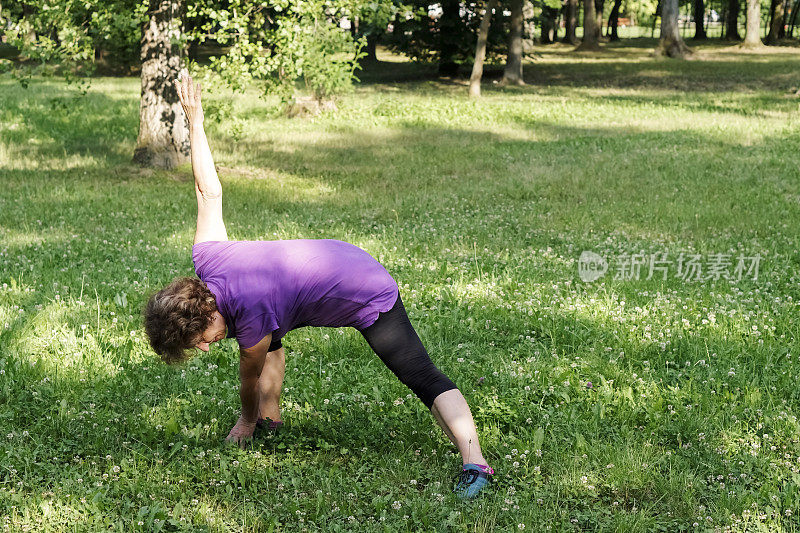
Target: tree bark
[(671, 43), (571, 21), (732, 21), (793, 17), (590, 42), (549, 28), (752, 39), (480, 51), (699, 13), (449, 28), (613, 21), (513, 72), (599, 5), (372, 47), (777, 22), (655, 19), (163, 133)]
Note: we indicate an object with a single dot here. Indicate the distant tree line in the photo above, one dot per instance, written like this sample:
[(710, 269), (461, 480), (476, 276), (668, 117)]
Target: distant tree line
[(285, 46)]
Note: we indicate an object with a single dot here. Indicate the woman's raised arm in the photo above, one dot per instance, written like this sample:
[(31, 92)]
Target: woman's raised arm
[(210, 226)]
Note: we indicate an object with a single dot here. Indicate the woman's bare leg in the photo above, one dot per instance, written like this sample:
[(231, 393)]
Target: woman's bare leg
[(451, 411), (270, 383)]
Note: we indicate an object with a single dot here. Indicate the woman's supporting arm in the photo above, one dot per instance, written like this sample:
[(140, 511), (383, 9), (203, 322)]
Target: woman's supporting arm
[(208, 189), (251, 361)]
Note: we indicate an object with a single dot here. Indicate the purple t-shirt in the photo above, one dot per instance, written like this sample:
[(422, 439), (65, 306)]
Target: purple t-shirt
[(264, 287)]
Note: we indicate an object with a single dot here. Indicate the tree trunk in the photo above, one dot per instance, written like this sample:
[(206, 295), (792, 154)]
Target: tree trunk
[(30, 34), (732, 21), (786, 8), (513, 72), (655, 19), (699, 20), (793, 18), (449, 28), (480, 51), (613, 21), (599, 5), (571, 21), (777, 21), (590, 41), (671, 43), (163, 134), (752, 39), (549, 19), (372, 47)]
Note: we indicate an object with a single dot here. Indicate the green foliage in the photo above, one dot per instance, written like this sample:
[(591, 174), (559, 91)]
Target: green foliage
[(274, 45), (375, 15), (641, 11), (420, 34), (64, 34), (329, 60)]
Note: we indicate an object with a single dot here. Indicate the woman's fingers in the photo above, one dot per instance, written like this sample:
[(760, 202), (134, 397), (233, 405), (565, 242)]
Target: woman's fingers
[(189, 88), (186, 85), (198, 93), (181, 86), (177, 85)]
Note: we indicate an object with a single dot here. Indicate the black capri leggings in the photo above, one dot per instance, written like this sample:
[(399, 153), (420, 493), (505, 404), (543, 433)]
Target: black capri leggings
[(393, 338)]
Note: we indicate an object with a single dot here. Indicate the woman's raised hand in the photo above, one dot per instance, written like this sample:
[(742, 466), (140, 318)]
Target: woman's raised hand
[(190, 95)]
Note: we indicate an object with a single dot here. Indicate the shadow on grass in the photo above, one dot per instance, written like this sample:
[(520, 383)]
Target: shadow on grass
[(48, 123)]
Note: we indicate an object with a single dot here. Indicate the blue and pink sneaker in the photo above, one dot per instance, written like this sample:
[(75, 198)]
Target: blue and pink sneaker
[(268, 424), (472, 480)]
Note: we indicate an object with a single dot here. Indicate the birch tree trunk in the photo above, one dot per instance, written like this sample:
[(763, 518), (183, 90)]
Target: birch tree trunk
[(163, 140), (671, 43), (480, 51), (752, 39)]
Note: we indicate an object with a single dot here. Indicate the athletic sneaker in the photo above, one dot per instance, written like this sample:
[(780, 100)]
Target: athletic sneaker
[(269, 424), (472, 480)]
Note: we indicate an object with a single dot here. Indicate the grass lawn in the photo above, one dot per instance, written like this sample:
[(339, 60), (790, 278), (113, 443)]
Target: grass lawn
[(621, 404)]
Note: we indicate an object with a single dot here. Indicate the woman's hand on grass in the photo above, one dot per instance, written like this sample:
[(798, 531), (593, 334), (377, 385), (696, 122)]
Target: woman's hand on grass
[(190, 94), (242, 432)]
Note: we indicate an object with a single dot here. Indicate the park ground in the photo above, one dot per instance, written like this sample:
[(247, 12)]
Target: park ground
[(626, 403)]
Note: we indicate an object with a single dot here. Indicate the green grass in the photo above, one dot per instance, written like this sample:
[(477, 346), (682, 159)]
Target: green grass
[(480, 210)]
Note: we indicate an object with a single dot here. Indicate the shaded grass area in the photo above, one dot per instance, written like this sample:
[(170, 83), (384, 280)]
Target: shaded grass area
[(632, 405)]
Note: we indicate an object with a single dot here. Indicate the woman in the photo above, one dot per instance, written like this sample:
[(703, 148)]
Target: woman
[(257, 291)]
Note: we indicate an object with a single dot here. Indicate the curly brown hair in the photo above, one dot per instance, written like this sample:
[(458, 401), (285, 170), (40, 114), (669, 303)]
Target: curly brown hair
[(176, 317)]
